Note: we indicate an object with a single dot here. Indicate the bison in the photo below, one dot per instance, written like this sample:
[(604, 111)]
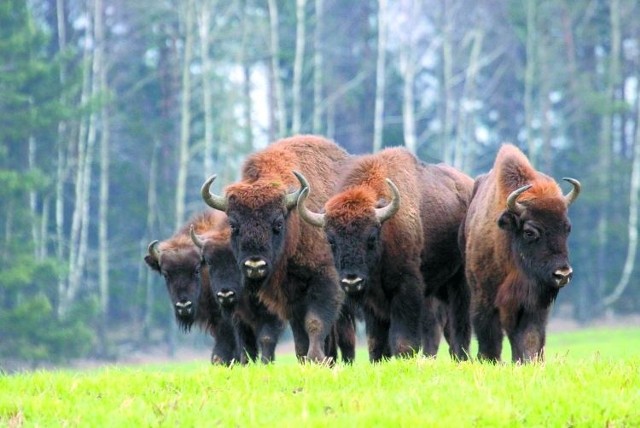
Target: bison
[(248, 314), (515, 243), (392, 225), (283, 260), (178, 260)]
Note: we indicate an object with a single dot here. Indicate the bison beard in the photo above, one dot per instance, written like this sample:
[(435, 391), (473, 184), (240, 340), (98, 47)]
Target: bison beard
[(515, 243), (285, 262)]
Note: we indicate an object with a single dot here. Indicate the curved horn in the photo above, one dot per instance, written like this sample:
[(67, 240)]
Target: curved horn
[(512, 204), (195, 238), (314, 219), (153, 250), (291, 199), (383, 214), (214, 201), (573, 194)]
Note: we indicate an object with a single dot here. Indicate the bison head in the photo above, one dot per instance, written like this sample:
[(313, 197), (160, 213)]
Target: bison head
[(352, 223), (257, 213), (538, 228), (224, 276), (180, 268)]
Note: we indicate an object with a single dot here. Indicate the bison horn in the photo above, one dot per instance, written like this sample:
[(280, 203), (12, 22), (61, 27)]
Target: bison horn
[(153, 250), (573, 194), (512, 204), (310, 217), (195, 238), (292, 198), (384, 213), (213, 200)]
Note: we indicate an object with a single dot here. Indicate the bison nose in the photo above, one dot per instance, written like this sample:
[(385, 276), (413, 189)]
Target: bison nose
[(226, 297), (184, 307), (255, 268), (352, 284), (563, 276)]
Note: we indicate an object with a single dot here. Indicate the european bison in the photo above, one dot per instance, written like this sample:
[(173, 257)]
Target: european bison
[(515, 241), (282, 259), (392, 226), (178, 260), (248, 314)]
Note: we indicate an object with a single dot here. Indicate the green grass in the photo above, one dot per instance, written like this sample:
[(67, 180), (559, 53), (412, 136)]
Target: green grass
[(591, 378)]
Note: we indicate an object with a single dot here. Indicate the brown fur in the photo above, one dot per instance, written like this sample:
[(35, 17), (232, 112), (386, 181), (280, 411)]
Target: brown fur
[(492, 267), (419, 241), (292, 290)]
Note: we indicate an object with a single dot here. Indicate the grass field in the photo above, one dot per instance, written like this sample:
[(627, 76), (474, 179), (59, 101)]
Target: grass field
[(591, 378)]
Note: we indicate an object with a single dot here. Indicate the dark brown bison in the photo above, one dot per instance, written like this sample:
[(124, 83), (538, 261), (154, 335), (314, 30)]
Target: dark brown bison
[(178, 260), (515, 242), (284, 260), (392, 226), (256, 325)]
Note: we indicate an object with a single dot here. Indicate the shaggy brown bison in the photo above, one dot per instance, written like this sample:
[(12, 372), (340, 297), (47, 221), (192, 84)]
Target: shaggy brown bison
[(248, 314), (392, 225), (515, 242), (178, 260), (284, 260)]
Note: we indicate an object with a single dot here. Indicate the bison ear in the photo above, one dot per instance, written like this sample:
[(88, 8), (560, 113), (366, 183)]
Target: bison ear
[(152, 262), (508, 221)]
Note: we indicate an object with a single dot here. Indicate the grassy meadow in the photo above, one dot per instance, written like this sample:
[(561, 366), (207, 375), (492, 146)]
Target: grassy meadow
[(591, 378)]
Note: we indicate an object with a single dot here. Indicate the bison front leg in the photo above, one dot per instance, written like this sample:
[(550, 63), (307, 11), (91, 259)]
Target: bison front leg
[(268, 336), (486, 324), (404, 336), (377, 337), (346, 334), (528, 337), (300, 338), (431, 331), (246, 340), (459, 303), (225, 349)]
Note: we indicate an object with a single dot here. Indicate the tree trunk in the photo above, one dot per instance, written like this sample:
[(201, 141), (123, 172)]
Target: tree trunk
[(185, 117), (33, 199), (317, 68), (446, 113), (246, 69), (204, 27), (378, 119), (84, 146), (152, 220), (462, 157), (298, 66), (529, 76), (275, 67), (103, 203), (606, 136)]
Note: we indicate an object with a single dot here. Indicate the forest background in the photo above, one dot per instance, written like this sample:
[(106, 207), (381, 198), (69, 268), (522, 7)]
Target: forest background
[(113, 112)]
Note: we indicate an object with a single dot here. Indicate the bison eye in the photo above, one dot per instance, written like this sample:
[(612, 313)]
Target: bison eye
[(332, 243), (530, 235), (371, 241), (277, 227)]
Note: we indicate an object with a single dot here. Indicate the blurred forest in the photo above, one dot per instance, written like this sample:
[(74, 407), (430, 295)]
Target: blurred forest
[(113, 112)]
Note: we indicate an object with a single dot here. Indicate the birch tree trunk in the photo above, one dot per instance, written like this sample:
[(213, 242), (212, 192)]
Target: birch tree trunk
[(281, 117), (33, 198), (447, 77), (606, 136), (529, 76), (317, 67), (461, 158), (246, 69), (378, 120), (103, 203), (185, 116), (82, 167), (152, 220), (204, 24), (298, 66), (61, 150)]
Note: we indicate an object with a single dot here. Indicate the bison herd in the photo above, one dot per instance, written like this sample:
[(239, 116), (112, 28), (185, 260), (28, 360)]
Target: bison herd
[(315, 238)]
